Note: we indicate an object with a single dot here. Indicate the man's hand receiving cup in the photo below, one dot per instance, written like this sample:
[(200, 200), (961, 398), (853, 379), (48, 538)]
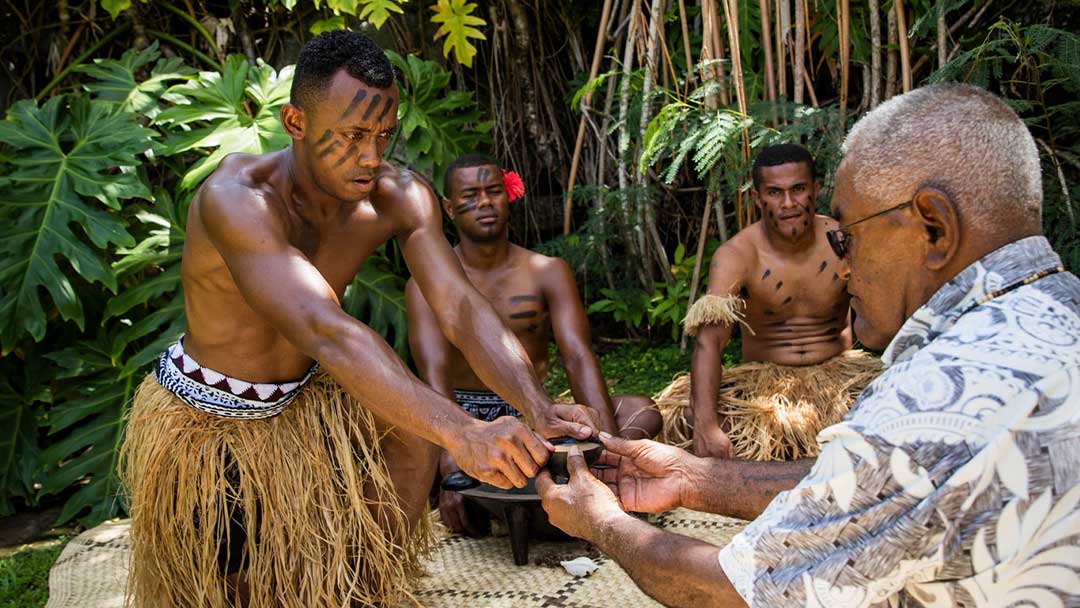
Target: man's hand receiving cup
[(649, 477)]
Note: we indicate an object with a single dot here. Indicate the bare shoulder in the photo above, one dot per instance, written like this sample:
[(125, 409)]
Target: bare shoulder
[(551, 269), (239, 199), (740, 250), (404, 197), (824, 223)]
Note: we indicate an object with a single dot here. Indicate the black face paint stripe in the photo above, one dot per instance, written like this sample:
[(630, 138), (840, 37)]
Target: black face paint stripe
[(375, 99), (345, 156), (769, 313), (360, 95), (528, 314), (324, 138), (822, 267), (329, 149), (787, 301), (386, 108), (835, 276), (779, 285), (766, 275), (524, 298)]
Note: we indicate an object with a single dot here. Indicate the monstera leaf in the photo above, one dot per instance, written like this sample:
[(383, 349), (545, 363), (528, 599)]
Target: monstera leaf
[(22, 387), (235, 110), (376, 296), (67, 164), (114, 79), (437, 125), (86, 423), (100, 374)]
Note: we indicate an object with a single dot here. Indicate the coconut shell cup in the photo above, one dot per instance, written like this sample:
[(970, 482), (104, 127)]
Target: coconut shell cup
[(556, 463)]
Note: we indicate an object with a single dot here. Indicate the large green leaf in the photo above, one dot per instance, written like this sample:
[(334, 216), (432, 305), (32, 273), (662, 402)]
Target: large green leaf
[(456, 24), (61, 156), (21, 389), (115, 81), (378, 11), (377, 297), (219, 113), (437, 124)]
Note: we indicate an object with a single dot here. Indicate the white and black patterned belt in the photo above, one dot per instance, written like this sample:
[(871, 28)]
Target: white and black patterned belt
[(215, 393)]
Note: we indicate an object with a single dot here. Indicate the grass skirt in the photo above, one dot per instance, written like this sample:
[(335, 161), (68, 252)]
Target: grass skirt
[(774, 412), (320, 523)]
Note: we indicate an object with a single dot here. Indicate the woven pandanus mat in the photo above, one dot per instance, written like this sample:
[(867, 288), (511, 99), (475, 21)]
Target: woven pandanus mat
[(461, 571)]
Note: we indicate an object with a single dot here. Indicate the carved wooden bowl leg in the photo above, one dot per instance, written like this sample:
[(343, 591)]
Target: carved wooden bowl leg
[(517, 518)]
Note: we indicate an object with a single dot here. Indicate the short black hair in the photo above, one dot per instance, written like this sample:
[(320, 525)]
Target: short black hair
[(325, 54), (474, 159), (782, 154)]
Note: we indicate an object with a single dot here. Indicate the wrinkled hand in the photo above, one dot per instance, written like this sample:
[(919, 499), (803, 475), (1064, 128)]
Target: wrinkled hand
[(503, 453), (651, 477), (580, 506), (560, 419), (711, 442)]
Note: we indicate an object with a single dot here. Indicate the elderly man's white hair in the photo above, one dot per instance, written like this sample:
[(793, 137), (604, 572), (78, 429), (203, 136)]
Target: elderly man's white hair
[(956, 137)]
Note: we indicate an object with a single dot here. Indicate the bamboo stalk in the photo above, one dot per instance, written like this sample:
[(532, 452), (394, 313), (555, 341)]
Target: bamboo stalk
[(766, 39), (744, 213), (875, 54), (686, 46), (783, 16), (905, 59), (800, 50), (844, 26), (598, 54), (695, 279), (624, 144), (656, 20), (890, 63), (942, 40)]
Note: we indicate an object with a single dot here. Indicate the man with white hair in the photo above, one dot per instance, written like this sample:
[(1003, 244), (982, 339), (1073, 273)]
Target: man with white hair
[(955, 479)]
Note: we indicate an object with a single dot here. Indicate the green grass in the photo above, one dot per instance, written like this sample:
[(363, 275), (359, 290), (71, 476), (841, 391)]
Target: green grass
[(24, 576), (637, 369)]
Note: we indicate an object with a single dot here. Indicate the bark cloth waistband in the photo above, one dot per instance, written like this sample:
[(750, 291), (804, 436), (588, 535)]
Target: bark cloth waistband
[(215, 393)]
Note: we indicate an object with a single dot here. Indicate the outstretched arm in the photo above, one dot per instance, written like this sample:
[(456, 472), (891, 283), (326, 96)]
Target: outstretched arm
[(652, 477), (470, 323), (282, 285), (571, 328), (673, 569)]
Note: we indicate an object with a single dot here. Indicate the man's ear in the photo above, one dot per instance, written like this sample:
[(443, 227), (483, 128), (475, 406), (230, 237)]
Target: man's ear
[(294, 120), (448, 208), (756, 197), (815, 188), (936, 211)]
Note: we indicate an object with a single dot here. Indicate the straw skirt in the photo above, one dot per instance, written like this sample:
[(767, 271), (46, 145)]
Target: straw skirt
[(300, 504), (774, 412)]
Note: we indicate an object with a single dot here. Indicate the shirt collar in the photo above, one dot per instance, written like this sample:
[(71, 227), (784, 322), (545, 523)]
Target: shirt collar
[(995, 270)]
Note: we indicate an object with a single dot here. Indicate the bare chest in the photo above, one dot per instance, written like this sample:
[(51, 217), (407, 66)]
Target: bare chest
[(783, 289), (339, 251), (518, 299)]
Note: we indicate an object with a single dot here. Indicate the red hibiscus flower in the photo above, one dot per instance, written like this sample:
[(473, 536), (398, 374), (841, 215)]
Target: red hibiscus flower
[(515, 188)]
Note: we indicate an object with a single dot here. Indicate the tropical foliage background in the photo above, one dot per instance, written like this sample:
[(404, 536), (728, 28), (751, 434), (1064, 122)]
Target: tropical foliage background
[(632, 122)]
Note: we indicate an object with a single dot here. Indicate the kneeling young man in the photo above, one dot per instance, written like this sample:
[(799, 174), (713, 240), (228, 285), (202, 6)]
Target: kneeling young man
[(781, 282), (535, 295)]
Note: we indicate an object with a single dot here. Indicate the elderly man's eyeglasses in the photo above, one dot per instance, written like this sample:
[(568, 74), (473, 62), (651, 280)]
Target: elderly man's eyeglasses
[(838, 239)]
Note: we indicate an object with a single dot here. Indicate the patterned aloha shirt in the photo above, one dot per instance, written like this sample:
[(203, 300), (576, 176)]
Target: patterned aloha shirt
[(955, 478)]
